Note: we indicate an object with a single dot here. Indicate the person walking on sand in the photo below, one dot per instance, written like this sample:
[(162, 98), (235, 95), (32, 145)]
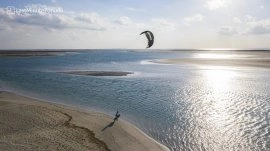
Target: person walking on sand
[(117, 115)]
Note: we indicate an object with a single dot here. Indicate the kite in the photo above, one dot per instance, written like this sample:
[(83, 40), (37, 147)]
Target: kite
[(149, 35)]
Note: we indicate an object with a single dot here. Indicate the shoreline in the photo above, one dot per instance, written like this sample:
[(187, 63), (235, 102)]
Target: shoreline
[(80, 123)]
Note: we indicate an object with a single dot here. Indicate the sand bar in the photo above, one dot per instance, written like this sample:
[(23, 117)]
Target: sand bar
[(265, 63), (30, 124), (98, 73), (244, 58)]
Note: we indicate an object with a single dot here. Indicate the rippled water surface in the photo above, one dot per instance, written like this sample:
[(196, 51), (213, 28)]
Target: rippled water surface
[(182, 106)]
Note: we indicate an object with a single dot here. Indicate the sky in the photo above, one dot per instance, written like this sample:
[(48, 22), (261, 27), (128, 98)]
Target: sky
[(102, 24)]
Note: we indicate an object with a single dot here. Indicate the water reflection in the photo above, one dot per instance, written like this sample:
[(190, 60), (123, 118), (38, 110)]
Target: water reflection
[(214, 56), (218, 80), (213, 117), (224, 114)]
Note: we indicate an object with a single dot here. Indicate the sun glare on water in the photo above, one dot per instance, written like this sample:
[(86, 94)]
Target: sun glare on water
[(214, 103), (214, 56), (219, 79), (218, 82)]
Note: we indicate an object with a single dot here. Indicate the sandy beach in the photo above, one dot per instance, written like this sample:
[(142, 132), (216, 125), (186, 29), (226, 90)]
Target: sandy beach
[(31, 124)]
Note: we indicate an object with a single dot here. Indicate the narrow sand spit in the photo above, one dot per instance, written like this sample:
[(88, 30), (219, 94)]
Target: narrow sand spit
[(264, 63), (30, 124), (98, 73)]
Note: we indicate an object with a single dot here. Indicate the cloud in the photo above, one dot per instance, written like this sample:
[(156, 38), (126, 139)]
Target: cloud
[(247, 26), (124, 20), (215, 4), (163, 24), (227, 30), (4, 26), (249, 18), (127, 22), (158, 24), (37, 16), (259, 27), (195, 18), (237, 20), (135, 9)]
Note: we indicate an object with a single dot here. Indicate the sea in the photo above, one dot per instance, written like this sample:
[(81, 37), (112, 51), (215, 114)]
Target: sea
[(189, 107)]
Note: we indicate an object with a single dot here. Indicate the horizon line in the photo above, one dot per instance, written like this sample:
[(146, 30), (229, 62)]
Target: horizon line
[(171, 49)]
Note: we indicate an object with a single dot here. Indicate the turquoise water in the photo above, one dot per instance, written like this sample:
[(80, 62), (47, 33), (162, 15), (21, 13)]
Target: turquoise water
[(182, 106)]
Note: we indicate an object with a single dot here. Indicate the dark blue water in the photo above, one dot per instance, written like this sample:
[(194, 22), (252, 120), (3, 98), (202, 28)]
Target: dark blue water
[(184, 107)]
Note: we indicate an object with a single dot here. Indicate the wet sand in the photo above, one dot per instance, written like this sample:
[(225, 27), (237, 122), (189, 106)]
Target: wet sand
[(31, 124)]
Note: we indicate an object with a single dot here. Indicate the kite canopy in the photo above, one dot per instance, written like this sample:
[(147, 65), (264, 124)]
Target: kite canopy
[(149, 35)]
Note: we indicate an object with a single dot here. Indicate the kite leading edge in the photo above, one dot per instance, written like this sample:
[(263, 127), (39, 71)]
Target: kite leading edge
[(149, 35)]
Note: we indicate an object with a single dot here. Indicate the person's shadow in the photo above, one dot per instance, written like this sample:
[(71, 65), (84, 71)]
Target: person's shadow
[(109, 125), (117, 115)]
